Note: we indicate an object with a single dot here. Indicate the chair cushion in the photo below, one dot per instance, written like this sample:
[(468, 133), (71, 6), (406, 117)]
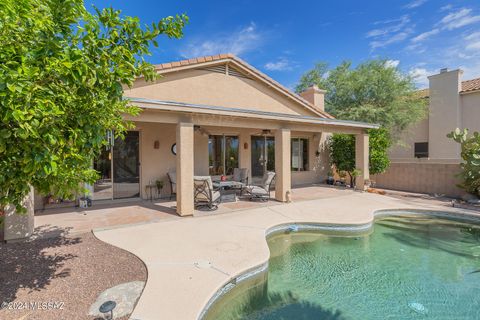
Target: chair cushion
[(255, 190), (172, 176), (216, 195)]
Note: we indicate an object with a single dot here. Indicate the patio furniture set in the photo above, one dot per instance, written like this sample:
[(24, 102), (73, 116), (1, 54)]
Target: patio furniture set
[(209, 193)]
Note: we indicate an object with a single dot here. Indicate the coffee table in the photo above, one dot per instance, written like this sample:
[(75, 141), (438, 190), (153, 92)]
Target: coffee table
[(224, 188)]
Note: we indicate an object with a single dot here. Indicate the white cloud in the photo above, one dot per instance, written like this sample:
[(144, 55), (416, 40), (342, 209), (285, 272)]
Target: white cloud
[(420, 76), (446, 7), (473, 41), (423, 36), (282, 64), (392, 63), (239, 42), (395, 25), (398, 37), (459, 18), (394, 30), (414, 4)]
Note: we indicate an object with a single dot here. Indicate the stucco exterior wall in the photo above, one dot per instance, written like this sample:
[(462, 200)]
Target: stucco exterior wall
[(405, 149), (444, 114), (216, 89), (421, 176), (471, 111)]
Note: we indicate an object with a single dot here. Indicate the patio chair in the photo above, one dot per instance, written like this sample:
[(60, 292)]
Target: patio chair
[(204, 195), (261, 191), (240, 175), (172, 178)]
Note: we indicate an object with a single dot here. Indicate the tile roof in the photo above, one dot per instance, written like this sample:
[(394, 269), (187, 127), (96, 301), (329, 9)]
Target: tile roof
[(467, 86), (471, 85), (199, 60)]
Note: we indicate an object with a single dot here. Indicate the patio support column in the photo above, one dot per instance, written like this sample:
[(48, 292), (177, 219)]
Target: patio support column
[(361, 160), (185, 168), (282, 165), (19, 226)]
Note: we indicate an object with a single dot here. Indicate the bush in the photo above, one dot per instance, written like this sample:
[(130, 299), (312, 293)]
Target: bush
[(471, 159)]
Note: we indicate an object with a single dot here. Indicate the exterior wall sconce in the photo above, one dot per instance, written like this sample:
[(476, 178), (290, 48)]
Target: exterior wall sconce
[(245, 145), (156, 144)]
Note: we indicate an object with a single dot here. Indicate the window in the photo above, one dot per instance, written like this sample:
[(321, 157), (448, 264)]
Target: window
[(299, 154), (222, 154), (421, 149)]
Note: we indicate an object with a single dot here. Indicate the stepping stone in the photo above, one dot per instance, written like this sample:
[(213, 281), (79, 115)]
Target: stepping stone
[(125, 295)]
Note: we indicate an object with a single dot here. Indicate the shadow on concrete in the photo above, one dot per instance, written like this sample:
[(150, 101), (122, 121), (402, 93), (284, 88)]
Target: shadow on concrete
[(27, 264)]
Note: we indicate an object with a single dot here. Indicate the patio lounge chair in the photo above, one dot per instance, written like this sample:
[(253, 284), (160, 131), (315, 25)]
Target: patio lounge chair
[(261, 191), (240, 175), (172, 178), (204, 195)]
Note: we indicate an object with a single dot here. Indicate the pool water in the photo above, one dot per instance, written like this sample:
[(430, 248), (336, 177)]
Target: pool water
[(409, 267)]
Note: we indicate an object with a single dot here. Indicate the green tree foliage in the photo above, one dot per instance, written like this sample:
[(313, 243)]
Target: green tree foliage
[(62, 74), (373, 92), (342, 152), (471, 159)]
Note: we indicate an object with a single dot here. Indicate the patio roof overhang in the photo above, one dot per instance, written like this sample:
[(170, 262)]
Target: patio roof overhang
[(241, 117)]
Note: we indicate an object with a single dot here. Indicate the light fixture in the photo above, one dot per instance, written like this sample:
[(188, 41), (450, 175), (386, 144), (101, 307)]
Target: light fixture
[(107, 307)]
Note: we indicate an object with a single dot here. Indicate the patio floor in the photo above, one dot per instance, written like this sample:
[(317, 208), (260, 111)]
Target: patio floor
[(111, 214)]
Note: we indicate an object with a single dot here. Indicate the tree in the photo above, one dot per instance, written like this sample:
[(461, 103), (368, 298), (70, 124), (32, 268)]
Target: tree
[(374, 92), (342, 152), (62, 74), (471, 159)]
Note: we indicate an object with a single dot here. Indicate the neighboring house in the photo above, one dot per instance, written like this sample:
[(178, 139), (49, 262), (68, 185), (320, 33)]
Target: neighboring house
[(429, 161), (209, 115)]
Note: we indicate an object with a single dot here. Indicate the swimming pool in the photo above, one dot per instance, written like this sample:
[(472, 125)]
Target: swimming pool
[(405, 267)]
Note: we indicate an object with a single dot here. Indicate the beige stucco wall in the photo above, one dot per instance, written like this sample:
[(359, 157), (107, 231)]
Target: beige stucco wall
[(216, 89), (444, 114), (471, 111), (405, 147), (421, 176)]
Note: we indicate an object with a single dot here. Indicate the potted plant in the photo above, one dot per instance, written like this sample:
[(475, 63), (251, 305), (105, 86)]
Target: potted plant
[(330, 178), (342, 175), (159, 184), (355, 173)]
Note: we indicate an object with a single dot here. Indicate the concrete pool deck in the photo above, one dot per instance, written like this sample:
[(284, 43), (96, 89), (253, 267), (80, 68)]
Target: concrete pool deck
[(190, 259)]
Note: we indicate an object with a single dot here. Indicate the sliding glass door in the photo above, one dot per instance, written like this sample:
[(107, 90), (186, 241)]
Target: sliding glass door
[(222, 154), (119, 169), (126, 166), (263, 155)]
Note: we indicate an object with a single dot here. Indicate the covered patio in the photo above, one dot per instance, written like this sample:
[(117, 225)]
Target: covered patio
[(193, 129)]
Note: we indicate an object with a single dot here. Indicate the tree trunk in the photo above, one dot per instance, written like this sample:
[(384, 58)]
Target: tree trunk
[(19, 226)]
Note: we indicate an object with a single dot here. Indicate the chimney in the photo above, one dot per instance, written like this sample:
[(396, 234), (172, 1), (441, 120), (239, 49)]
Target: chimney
[(444, 113), (315, 96)]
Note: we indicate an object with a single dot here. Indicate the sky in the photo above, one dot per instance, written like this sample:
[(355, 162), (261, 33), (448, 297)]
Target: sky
[(284, 39)]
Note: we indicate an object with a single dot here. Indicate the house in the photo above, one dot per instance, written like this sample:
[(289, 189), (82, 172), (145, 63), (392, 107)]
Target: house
[(429, 161), (209, 115)]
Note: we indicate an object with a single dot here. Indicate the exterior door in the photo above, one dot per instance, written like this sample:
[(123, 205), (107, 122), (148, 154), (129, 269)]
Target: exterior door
[(126, 166), (263, 155), (119, 170)]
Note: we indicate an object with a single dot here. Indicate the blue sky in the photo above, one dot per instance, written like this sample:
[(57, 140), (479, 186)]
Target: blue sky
[(285, 38)]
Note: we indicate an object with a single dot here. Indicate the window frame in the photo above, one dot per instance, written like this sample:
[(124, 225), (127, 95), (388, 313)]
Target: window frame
[(223, 151), (420, 154), (305, 166)]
